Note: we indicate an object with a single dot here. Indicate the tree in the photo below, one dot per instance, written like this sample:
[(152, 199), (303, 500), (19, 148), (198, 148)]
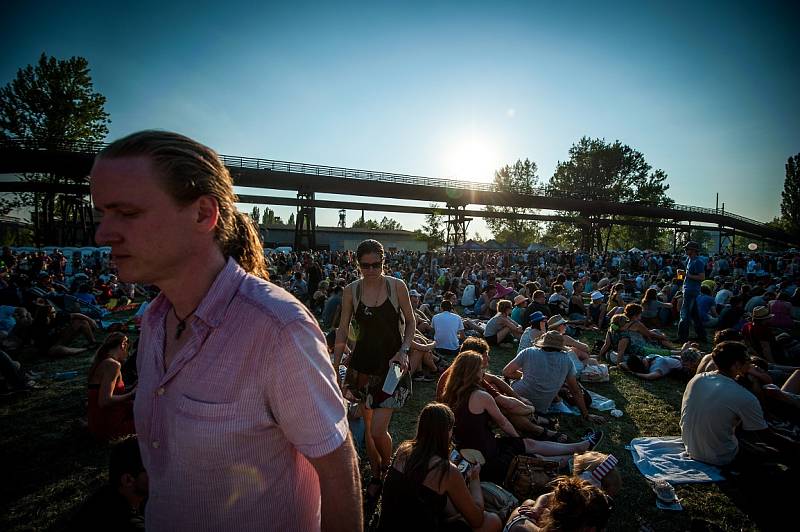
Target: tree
[(48, 105), (256, 215), (519, 178), (432, 232), (389, 224), (291, 219), (790, 197), (362, 223), (614, 172), (268, 217)]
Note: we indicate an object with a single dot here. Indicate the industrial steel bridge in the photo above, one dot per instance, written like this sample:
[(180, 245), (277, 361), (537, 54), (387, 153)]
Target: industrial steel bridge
[(75, 160)]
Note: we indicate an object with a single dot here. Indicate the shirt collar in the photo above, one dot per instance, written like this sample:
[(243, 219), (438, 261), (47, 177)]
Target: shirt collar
[(214, 304)]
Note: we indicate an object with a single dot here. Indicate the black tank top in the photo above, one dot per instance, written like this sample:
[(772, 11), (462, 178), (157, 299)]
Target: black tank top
[(472, 431), (407, 505), (377, 338)]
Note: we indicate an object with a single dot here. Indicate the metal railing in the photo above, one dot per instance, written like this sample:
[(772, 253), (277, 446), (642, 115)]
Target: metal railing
[(255, 163)]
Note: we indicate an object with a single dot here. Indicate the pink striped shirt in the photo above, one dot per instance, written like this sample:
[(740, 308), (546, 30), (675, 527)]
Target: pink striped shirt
[(225, 431)]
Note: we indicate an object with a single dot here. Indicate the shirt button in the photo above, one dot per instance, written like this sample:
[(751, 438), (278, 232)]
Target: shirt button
[(161, 391), (155, 444)]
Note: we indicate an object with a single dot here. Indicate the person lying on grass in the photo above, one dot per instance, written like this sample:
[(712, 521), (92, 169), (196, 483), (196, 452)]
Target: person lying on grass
[(654, 367)]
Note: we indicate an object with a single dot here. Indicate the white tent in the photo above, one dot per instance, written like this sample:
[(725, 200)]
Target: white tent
[(634, 250)]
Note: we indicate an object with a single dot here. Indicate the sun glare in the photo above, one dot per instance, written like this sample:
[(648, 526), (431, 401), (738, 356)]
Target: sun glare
[(471, 158)]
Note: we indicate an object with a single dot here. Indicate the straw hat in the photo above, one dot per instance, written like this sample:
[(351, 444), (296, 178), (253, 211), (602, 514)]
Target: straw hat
[(519, 299), (555, 321), (552, 339), (761, 313)]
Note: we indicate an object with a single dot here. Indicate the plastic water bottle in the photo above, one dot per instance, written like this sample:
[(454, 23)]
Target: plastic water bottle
[(392, 378), (65, 375)]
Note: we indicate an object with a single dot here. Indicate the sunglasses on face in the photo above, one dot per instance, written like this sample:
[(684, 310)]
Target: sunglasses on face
[(370, 265)]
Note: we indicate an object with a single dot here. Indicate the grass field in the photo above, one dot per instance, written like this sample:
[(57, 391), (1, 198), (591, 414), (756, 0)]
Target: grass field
[(50, 463)]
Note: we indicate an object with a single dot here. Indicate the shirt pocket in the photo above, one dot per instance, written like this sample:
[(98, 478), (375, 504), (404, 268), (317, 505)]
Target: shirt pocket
[(205, 433)]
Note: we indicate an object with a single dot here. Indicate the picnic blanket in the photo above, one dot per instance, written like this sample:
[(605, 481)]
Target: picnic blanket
[(666, 459), (599, 403)]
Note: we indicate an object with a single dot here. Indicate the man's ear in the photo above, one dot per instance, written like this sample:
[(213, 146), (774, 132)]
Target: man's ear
[(207, 213)]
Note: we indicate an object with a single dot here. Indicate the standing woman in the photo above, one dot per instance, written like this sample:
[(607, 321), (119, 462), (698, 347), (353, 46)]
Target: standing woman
[(110, 403), (380, 304)]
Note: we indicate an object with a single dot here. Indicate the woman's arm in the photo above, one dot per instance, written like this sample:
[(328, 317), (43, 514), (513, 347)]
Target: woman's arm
[(109, 373), (344, 326), (487, 404), (411, 324), (468, 500)]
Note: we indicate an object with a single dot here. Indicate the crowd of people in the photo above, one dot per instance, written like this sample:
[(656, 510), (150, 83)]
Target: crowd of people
[(252, 371)]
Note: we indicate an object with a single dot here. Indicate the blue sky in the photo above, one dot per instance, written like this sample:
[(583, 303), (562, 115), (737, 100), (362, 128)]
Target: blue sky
[(448, 89)]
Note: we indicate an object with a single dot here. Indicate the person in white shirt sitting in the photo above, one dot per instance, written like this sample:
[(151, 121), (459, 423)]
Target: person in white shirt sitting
[(448, 330)]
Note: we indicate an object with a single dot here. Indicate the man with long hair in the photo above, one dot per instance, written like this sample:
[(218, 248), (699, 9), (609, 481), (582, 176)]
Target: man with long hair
[(240, 419)]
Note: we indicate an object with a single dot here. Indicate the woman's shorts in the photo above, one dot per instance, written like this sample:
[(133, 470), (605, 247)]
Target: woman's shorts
[(368, 389)]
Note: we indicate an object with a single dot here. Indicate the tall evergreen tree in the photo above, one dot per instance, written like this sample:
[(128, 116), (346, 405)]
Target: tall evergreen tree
[(790, 197)]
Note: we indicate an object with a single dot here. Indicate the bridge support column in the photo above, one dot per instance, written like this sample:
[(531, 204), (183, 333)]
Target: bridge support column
[(725, 241), (457, 224), (305, 225)]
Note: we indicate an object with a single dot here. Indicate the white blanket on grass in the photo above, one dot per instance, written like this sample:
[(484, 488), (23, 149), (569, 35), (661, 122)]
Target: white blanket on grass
[(599, 403), (666, 459)]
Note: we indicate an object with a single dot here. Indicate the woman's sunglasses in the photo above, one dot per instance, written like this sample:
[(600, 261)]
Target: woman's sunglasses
[(370, 265)]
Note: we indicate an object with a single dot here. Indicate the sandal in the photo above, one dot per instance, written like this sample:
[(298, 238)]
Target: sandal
[(551, 435)]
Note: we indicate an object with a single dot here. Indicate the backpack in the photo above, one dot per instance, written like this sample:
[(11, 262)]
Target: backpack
[(528, 476)]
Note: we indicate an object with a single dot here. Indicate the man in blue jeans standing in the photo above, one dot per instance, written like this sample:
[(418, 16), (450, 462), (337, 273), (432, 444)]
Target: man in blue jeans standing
[(695, 274)]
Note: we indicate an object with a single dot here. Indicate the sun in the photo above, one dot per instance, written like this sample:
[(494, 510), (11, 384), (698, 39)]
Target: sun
[(471, 157)]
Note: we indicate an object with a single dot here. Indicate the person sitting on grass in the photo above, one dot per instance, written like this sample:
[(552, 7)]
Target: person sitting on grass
[(110, 403), (759, 336), (501, 328), (539, 304), (474, 409), (577, 348), (541, 371), (716, 413), (448, 330), (516, 408), (53, 330), (117, 506), (421, 481), (654, 367), (573, 505), (537, 328), (597, 310), (651, 308)]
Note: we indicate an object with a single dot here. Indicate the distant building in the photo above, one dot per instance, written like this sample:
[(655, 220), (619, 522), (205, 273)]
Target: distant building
[(343, 238)]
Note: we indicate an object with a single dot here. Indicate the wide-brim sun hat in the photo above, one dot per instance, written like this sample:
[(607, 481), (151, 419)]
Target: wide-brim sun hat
[(550, 339), (520, 299), (596, 295)]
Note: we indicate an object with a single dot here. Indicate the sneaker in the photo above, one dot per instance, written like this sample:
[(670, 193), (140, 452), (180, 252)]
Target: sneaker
[(594, 437), (664, 491)]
